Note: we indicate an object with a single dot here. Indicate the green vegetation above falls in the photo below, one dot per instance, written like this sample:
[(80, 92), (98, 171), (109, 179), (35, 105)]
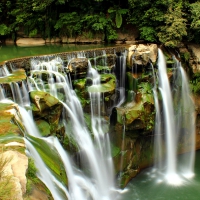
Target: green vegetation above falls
[(159, 21)]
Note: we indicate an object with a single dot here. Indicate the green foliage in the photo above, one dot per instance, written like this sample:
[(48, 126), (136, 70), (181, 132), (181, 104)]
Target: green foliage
[(100, 23), (195, 16), (32, 170), (33, 32), (69, 24), (147, 16), (185, 56), (157, 20), (148, 33), (195, 83), (175, 27), (4, 30), (118, 14)]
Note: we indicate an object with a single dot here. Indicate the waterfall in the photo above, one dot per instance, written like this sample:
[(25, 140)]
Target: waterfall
[(97, 183), (16, 92), (2, 94), (120, 70), (185, 119), (158, 152), (178, 115), (4, 71), (44, 174)]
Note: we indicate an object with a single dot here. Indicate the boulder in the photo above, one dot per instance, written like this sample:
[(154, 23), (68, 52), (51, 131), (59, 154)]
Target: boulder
[(141, 54), (78, 65), (46, 107)]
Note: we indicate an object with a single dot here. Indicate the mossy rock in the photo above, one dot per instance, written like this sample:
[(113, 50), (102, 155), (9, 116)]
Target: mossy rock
[(16, 76), (78, 65), (140, 113), (42, 100), (8, 131), (107, 86), (43, 127), (50, 157)]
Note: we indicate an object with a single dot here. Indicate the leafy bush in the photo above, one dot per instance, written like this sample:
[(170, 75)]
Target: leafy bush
[(148, 33)]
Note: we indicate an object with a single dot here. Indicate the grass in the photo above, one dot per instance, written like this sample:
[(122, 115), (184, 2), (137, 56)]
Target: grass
[(8, 189)]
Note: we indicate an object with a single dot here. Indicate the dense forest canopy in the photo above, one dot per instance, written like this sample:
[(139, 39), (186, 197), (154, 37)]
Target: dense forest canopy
[(162, 21)]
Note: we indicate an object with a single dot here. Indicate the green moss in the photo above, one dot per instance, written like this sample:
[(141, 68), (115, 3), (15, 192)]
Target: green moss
[(115, 151), (132, 82), (145, 87), (16, 76), (70, 144), (51, 158), (107, 86), (79, 84), (45, 99), (185, 56), (44, 127), (195, 83), (101, 69)]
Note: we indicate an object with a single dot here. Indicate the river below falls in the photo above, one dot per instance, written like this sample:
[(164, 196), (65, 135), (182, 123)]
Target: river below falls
[(146, 186)]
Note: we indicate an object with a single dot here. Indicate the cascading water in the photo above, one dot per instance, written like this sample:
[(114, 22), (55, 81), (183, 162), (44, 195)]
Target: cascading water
[(17, 96), (4, 71), (185, 119), (175, 118), (2, 94), (120, 70), (98, 182), (158, 152), (165, 90)]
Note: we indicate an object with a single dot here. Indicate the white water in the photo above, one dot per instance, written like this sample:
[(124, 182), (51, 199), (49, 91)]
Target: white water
[(4, 71), (158, 151), (2, 94), (98, 182), (44, 173), (121, 81), (185, 125), (16, 92), (175, 117)]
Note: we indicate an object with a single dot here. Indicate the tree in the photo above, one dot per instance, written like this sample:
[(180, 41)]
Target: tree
[(147, 16), (194, 19), (172, 32)]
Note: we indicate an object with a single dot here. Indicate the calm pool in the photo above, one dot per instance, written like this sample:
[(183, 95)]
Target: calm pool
[(11, 51)]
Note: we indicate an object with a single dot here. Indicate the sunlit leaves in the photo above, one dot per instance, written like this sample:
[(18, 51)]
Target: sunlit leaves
[(195, 15), (175, 28)]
